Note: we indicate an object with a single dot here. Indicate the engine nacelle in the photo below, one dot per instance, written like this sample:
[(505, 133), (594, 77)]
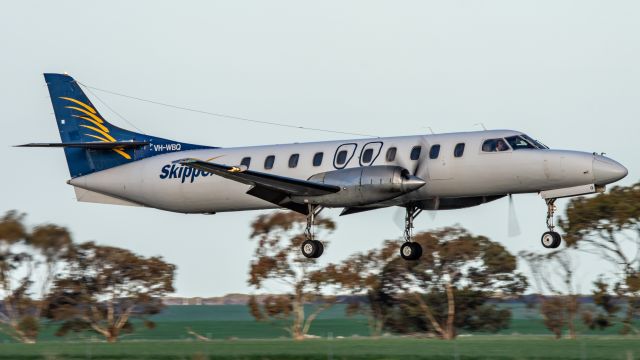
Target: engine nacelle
[(363, 185)]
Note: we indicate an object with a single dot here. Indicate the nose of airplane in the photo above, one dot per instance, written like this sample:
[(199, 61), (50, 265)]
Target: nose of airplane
[(412, 182), (606, 171)]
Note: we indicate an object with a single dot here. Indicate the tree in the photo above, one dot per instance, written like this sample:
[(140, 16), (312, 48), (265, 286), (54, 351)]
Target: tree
[(27, 259), (608, 225), (278, 258), (52, 244), (17, 317), (606, 307), (455, 276), (360, 275), (104, 287), (554, 274)]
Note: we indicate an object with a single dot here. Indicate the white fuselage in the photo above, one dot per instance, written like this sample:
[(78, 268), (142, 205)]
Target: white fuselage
[(159, 183)]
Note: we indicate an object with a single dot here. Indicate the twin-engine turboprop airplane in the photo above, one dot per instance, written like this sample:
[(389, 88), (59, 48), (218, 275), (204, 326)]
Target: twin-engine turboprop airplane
[(424, 172)]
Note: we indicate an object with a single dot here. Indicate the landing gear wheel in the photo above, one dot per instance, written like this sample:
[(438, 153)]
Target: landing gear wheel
[(551, 240), (411, 251), (310, 248)]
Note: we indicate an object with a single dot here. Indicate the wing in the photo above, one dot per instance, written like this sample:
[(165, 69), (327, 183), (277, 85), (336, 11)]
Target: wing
[(272, 188)]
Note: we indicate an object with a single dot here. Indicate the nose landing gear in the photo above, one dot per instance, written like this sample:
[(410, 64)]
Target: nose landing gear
[(312, 248), (410, 250), (551, 239)]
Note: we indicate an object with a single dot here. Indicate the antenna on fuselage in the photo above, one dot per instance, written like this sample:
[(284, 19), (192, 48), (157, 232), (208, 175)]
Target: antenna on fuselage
[(430, 129), (481, 124)]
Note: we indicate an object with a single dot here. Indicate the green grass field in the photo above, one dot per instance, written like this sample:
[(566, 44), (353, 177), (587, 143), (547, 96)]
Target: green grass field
[(474, 347), (234, 321), (234, 333)]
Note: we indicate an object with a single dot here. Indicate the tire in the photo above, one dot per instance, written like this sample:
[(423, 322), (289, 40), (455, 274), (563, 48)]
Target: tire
[(309, 248), (410, 251), (558, 240), (319, 249), (418, 250), (551, 240)]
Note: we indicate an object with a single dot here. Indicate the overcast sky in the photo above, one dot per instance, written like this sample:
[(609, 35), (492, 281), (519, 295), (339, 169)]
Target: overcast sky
[(565, 72)]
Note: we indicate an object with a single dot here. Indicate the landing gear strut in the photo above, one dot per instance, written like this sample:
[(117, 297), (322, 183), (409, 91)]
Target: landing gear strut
[(410, 250), (551, 239), (312, 248)]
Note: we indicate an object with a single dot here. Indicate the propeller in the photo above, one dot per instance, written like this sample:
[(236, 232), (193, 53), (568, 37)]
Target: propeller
[(424, 149), (414, 169), (400, 213), (398, 217), (513, 226)]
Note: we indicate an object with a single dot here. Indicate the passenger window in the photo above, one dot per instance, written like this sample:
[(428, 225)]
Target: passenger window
[(459, 150), (367, 156), (293, 160), (415, 152), (317, 159), (391, 154), (268, 162), (493, 145), (342, 157), (434, 152), (246, 161)]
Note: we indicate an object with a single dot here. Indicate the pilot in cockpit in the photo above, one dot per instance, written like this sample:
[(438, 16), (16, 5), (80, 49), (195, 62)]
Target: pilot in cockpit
[(501, 145)]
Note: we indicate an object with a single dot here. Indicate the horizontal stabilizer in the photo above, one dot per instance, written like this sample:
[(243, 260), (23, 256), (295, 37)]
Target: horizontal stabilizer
[(94, 145)]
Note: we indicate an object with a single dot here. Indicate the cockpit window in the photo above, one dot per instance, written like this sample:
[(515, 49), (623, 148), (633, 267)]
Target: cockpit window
[(537, 143), (524, 142), (518, 142), (493, 145)]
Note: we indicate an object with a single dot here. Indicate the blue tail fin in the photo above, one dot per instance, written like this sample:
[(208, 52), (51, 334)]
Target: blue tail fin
[(80, 122)]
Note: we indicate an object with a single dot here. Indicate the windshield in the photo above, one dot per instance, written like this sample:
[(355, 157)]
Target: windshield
[(522, 142), (537, 143)]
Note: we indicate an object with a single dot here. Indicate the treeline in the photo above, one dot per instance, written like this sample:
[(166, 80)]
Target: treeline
[(459, 278), (45, 276)]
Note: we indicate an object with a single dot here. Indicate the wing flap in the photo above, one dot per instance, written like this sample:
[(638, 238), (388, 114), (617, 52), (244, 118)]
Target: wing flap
[(359, 209), (278, 198), (280, 184)]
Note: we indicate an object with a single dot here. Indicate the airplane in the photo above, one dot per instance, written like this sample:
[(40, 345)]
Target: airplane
[(448, 171)]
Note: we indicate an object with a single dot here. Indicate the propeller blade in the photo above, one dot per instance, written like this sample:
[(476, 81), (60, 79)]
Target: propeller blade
[(398, 217), (514, 225), (424, 149)]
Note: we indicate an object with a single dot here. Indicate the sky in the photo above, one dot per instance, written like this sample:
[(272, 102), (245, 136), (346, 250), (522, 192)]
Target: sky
[(564, 72)]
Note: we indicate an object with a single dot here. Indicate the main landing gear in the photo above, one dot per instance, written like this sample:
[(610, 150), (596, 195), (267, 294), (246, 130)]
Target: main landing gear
[(312, 248), (410, 250), (551, 239)]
